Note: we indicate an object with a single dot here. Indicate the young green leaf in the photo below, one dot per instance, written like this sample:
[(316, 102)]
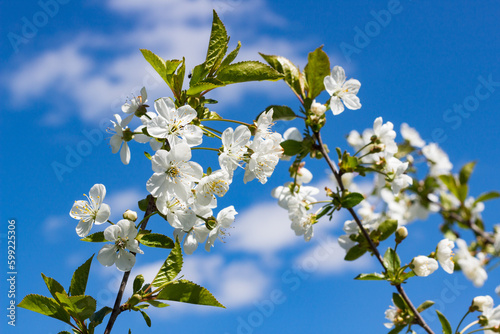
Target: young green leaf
[(288, 69), (97, 318), (444, 323), (164, 68), (466, 172), (80, 307), (146, 318), (156, 240), (53, 286), (370, 277), (387, 228), (95, 237), (354, 253), (188, 292), (280, 113), (292, 147), (317, 68), (231, 56), (248, 71), (391, 261), (450, 183), (155, 303), (217, 46), (46, 306), (80, 278), (203, 86), (138, 282), (170, 268), (487, 196), (351, 200), (399, 301), (397, 329), (425, 305)]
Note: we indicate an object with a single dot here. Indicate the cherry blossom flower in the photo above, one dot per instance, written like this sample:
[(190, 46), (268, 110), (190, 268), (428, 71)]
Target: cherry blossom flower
[(444, 255), (173, 124), (91, 211), (136, 103), (123, 135), (123, 235), (412, 136), (471, 266), (224, 220), (234, 148), (395, 170), (174, 173), (438, 160), (216, 183), (341, 90), (424, 266)]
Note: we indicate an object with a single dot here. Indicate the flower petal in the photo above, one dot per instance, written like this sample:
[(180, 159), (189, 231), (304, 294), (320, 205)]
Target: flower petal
[(84, 226), (125, 260), (125, 153), (103, 214), (336, 105), (107, 255)]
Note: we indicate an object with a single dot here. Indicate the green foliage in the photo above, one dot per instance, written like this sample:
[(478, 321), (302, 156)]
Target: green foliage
[(487, 196), (164, 68), (248, 71), (80, 278), (370, 277), (155, 240), (188, 292), (95, 237), (146, 318), (143, 203), (53, 286), (292, 147), (46, 306), (387, 228), (351, 200), (170, 268), (355, 253), (444, 323), (466, 172), (281, 113), (98, 317), (291, 73), (425, 305), (79, 307), (317, 68), (138, 282), (391, 261)]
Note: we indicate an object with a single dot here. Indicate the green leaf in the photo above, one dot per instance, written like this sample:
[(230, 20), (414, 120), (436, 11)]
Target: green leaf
[(399, 301), (138, 282), (156, 240), (288, 69), (188, 292), (178, 78), (202, 86), (425, 305), (143, 204), (462, 191), (170, 268), (231, 56), (155, 303), (397, 329), (351, 200), (146, 318), (46, 306), (487, 196), (97, 318), (281, 113), (95, 237), (354, 253), (387, 228), (450, 183), (391, 261), (248, 71), (80, 278), (80, 307), (317, 68), (370, 277), (217, 46), (292, 147), (64, 332), (53, 286), (164, 68), (147, 155), (466, 172), (444, 323), (199, 73)]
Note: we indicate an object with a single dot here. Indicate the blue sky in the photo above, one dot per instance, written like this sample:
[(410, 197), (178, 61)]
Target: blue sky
[(65, 77)]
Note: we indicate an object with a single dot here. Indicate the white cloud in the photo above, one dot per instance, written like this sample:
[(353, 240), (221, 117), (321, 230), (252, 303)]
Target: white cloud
[(171, 29)]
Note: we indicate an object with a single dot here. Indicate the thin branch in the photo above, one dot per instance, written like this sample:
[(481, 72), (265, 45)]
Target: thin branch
[(373, 247), (116, 308)]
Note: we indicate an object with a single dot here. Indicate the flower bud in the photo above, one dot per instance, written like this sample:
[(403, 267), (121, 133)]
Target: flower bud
[(481, 303), (401, 234), (211, 222), (134, 300), (317, 108), (423, 265), (130, 215)]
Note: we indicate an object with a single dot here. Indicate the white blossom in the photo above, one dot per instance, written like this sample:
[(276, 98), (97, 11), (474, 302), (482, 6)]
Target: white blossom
[(471, 266), (482, 303), (174, 173), (341, 90), (123, 235), (438, 160), (123, 135), (317, 108), (216, 183), (424, 266), (412, 136), (136, 103), (444, 255), (91, 211), (224, 220), (234, 148), (395, 170), (266, 155), (173, 124)]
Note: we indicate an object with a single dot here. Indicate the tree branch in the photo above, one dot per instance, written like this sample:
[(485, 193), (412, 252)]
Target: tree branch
[(373, 247), (116, 308)]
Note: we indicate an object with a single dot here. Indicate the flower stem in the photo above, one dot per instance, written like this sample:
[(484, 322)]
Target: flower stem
[(205, 148), (116, 308), (226, 120), (463, 318), (373, 247)]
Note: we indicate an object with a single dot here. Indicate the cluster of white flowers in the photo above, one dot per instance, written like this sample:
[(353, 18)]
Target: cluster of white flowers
[(490, 314), (472, 266), (424, 266)]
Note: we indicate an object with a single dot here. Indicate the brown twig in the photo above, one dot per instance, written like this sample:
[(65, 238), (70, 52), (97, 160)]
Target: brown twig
[(373, 247), (116, 308)]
